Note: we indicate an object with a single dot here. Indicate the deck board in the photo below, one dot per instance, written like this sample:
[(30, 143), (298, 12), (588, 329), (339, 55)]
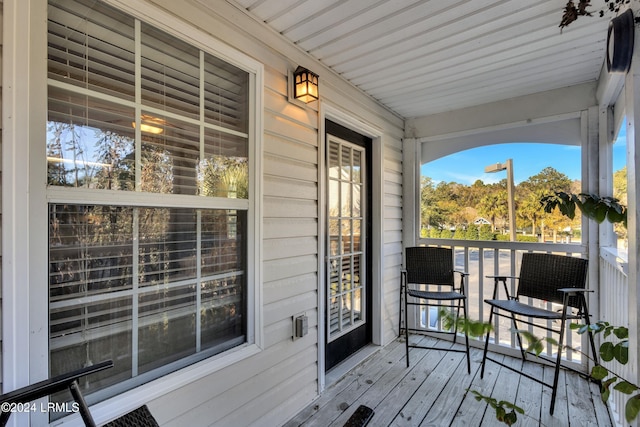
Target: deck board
[(433, 392)]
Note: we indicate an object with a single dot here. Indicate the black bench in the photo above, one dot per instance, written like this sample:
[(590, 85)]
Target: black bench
[(44, 388)]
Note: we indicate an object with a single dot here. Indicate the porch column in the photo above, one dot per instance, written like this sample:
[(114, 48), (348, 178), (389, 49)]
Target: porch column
[(590, 120), (410, 191), (632, 106)]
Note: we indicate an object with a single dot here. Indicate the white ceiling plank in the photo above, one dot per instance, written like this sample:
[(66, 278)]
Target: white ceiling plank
[(369, 26), (450, 40), (269, 10), (342, 20), (421, 57), (299, 14), (461, 56), (408, 24)]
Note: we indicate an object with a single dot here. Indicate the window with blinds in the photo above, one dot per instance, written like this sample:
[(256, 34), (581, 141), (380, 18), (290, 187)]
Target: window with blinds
[(133, 109)]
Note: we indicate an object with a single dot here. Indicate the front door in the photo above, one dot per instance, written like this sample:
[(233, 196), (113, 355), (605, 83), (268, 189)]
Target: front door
[(348, 274)]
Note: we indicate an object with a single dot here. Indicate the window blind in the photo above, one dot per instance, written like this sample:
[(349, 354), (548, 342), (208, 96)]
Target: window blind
[(153, 288)]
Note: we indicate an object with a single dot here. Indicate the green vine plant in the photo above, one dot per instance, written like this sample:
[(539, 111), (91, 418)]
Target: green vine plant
[(501, 407), (571, 12), (608, 352), (593, 206), (506, 412)]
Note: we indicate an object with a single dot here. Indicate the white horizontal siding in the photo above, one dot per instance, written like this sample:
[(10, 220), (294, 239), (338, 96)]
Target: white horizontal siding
[(273, 385), (392, 236)]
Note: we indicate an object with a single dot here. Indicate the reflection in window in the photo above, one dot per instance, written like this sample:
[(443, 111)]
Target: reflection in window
[(143, 287), (133, 109)]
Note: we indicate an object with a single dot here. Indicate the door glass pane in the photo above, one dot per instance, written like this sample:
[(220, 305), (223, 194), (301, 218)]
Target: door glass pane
[(346, 163), (357, 165), (357, 273), (357, 305), (334, 162), (357, 225), (334, 237), (334, 314), (334, 279), (346, 236), (334, 198), (357, 200), (346, 310), (345, 200)]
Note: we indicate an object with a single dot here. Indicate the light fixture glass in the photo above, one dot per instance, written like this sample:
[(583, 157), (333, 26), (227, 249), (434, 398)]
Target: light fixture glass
[(150, 124), (305, 85)]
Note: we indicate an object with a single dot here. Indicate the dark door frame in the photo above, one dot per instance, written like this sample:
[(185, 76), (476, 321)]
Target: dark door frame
[(340, 348)]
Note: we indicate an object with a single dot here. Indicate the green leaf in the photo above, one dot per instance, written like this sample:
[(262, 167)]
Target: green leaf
[(607, 351), (621, 332), (477, 329), (621, 352), (614, 216), (632, 408), (510, 418), (600, 213), (599, 373), (625, 387), (605, 389)]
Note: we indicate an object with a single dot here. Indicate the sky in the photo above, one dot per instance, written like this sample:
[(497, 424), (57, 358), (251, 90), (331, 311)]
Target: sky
[(529, 159)]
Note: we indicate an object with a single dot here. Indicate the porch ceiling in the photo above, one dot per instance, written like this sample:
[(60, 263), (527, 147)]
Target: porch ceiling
[(420, 57)]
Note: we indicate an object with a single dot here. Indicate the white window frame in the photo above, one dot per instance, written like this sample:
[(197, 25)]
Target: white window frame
[(25, 337)]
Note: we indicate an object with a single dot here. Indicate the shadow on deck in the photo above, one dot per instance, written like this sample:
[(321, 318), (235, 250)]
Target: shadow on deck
[(433, 392)]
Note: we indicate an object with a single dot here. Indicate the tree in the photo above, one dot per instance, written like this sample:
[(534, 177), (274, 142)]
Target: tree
[(453, 205), (485, 232), (472, 232), (531, 191), (494, 203), (439, 204), (428, 211)]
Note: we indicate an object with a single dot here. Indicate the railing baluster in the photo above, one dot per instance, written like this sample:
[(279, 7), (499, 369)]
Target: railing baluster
[(613, 309)]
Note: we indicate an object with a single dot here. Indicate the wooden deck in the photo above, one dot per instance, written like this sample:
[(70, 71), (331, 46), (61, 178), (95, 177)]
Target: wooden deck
[(433, 392)]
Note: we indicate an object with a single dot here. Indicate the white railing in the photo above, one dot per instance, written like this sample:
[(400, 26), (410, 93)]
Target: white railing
[(614, 296), (486, 258)]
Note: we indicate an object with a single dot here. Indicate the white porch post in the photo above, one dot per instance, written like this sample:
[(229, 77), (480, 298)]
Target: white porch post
[(632, 106), (590, 181), (410, 192)]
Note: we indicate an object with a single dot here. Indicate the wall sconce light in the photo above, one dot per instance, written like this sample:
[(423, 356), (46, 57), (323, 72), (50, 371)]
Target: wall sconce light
[(305, 85)]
